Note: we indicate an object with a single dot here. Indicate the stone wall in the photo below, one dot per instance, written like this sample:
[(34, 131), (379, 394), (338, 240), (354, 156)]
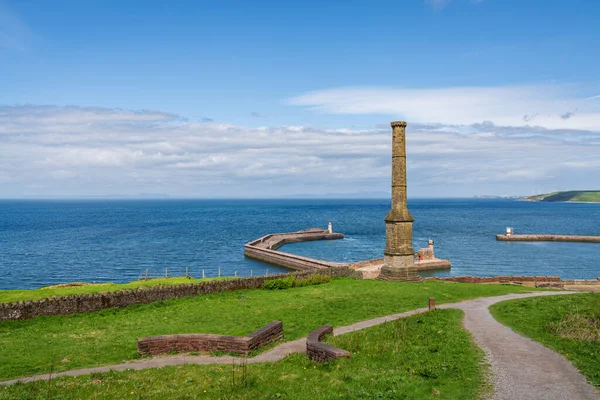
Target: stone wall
[(95, 302), (208, 342), (286, 260), (322, 352), (516, 279), (425, 254)]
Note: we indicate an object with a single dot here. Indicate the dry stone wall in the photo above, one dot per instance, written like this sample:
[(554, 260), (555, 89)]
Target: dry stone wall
[(208, 342), (538, 280), (67, 305)]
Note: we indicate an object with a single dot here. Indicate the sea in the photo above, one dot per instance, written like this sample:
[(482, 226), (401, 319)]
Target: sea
[(47, 242)]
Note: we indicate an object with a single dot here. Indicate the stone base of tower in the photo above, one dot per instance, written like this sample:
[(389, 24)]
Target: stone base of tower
[(399, 269)]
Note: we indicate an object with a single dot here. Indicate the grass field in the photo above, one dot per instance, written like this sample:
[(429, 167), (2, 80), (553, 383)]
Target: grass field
[(421, 357), (84, 340), (568, 324), (7, 296)]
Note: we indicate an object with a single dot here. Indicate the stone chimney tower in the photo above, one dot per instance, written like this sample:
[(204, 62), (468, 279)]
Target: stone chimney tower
[(399, 256)]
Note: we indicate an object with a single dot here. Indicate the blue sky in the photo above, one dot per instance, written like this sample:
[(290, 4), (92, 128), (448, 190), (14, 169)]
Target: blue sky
[(284, 98)]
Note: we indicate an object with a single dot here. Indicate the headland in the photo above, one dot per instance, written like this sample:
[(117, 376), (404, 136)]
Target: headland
[(572, 196)]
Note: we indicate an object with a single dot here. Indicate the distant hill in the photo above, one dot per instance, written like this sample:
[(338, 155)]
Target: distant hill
[(586, 196)]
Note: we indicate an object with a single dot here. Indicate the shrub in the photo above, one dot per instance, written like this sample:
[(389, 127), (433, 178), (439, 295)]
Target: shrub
[(312, 280), (291, 281), (279, 284)]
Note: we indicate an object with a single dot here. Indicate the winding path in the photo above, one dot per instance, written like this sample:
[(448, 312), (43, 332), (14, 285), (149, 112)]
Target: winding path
[(522, 369)]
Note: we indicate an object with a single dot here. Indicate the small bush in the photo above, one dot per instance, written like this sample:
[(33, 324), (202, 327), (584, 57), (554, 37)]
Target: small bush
[(291, 281), (279, 284), (312, 280)]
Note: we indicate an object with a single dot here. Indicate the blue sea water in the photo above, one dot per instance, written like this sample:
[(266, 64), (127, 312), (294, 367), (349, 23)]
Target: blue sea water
[(50, 242)]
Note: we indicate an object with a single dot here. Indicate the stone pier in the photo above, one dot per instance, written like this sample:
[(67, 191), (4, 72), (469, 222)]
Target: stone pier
[(265, 249), (399, 256), (548, 238)]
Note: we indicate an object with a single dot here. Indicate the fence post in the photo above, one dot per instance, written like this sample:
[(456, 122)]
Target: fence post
[(267, 272), (431, 303), (250, 273), (202, 274), (219, 272), (146, 274), (186, 272), (235, 273), (166, 272)]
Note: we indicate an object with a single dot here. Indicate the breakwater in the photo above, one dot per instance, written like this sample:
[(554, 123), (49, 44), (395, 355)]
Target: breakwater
[(265, 249), (548, 238)]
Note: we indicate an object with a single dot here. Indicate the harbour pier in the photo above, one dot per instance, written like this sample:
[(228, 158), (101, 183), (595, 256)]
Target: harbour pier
[(548, 238), (265, 249), (509, 236)]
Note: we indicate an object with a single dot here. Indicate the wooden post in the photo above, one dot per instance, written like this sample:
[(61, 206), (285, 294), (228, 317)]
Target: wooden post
[(431, 303), (202, 274), (267, 272), (219, 272), (250, 273), (166, 272), (186, 272), (146, 274)]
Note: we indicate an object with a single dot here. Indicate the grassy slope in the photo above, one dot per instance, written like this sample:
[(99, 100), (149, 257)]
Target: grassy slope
[(7, 296), (533, 318), (540, 197), (109, 336), (421, 357), (574, 195)]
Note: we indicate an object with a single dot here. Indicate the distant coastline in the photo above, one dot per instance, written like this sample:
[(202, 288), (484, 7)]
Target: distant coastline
[(573, 196)]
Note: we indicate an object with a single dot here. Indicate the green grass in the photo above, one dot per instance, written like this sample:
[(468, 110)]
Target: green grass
[(568, 324), (7, 296), (426, 356), (573, 195), (540, 197), (109, 336)]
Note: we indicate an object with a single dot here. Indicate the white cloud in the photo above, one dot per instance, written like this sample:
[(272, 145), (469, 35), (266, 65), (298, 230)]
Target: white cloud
[(541, 105), (46, 150)]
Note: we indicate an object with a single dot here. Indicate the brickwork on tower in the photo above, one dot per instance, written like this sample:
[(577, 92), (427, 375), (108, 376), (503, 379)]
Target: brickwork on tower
[(399, 256)]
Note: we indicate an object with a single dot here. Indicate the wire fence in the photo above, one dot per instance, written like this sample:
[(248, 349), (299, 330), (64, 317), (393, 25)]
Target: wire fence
[(200, 273)]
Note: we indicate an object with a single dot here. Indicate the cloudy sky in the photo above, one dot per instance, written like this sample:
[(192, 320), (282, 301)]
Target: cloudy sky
[(283, 99)]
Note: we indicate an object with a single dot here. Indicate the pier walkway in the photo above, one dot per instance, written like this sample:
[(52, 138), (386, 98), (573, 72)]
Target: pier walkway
[(548, 238), (265, 249)]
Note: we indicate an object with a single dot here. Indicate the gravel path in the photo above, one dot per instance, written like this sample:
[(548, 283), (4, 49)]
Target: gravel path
[(522, 369)]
